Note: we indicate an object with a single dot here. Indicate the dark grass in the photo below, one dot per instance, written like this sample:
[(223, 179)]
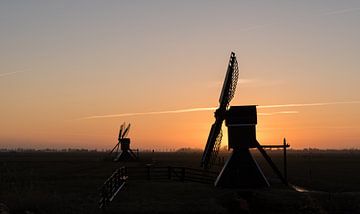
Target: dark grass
[(68, 182), (329, 171)]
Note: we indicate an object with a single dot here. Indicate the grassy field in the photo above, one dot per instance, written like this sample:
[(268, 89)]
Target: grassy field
[(68, 182)]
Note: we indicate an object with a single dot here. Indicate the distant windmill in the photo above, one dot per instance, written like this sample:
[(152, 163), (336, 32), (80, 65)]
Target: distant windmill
[(124, 144), (240, 170)]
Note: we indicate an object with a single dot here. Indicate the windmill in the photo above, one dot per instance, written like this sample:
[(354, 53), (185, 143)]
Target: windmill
[(124, 145), (240, 169)]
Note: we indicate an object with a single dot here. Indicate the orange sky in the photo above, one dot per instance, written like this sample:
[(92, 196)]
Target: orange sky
[(65, 62)]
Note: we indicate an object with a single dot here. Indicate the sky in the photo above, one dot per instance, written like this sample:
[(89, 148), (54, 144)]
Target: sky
[(72, 72)]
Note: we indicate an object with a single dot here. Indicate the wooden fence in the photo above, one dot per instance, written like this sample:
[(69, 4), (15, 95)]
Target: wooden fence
[(119, 178), (182, 174), (112, 186)]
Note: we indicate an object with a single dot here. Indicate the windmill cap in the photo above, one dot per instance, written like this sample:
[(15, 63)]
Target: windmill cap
[(241, 115)]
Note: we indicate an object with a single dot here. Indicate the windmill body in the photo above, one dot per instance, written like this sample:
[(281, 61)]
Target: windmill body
[(240, 170), (125, 153)]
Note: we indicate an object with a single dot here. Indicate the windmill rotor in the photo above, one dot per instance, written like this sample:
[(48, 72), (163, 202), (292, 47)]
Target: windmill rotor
[(227, 94)]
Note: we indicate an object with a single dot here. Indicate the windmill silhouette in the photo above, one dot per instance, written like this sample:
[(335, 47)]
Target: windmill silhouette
[(240, 169), (123, 144)]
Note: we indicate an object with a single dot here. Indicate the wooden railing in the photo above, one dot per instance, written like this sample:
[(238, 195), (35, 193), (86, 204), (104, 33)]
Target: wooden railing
[(112, 186), (182, 174), (119, 178)]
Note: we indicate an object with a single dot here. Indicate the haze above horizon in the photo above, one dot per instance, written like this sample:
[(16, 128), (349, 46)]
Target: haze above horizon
[(72, 72)]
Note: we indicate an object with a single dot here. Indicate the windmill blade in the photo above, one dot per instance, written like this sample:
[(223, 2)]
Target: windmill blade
[(115, 147), (208, 154), (230, 82), (121, 130), (126, 131), (227, 94)]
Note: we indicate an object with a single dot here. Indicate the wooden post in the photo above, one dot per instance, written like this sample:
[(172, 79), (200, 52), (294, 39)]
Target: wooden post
[(285, 161)]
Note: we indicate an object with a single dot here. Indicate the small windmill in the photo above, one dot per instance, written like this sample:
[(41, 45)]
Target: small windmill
[(240, 170), (124, 144)]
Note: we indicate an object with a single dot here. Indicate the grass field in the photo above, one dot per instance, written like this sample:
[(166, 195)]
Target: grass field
[(68, 182)]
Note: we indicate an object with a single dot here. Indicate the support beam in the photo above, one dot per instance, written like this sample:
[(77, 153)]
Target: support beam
[(275, 146), (271, 163), (285, 159)]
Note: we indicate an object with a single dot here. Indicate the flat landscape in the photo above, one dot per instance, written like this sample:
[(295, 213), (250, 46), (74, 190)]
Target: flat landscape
[(172, 85), (69, 182)]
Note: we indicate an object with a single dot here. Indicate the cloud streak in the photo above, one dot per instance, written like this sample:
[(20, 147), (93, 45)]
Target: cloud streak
[(277, 112), (313, 127), (309, 104), (256, 27), (148, 113), (342, 11), (214, 108), (327, 13), (11, 73)]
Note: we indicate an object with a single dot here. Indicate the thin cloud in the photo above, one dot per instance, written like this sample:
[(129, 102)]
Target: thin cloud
[(328, 13), (308, 104), (246, 81), (342, 11), (214, 108), (278, 112), (148, 113), (249, 83), (11, 73), (312, 127), (256, 27), (259, 83), (174, 112), (242, 81)]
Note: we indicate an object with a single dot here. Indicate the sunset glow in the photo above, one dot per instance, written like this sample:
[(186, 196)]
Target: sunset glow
[(70, 75)]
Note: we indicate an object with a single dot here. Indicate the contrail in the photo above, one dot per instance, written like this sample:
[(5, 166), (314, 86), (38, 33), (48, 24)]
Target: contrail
[(148, 113), (255, 27), (278, 112), (346, 10), (328, 13), (309, 104), (11, 73), (214, 108), (312, 127)]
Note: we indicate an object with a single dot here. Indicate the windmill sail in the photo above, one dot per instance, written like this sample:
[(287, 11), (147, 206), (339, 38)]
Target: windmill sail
[(126, 131), (227, 94), (230, 82), (121, 130)]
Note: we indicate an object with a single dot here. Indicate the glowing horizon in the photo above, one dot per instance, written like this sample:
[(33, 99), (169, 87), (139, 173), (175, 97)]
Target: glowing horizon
[(72, 72)]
